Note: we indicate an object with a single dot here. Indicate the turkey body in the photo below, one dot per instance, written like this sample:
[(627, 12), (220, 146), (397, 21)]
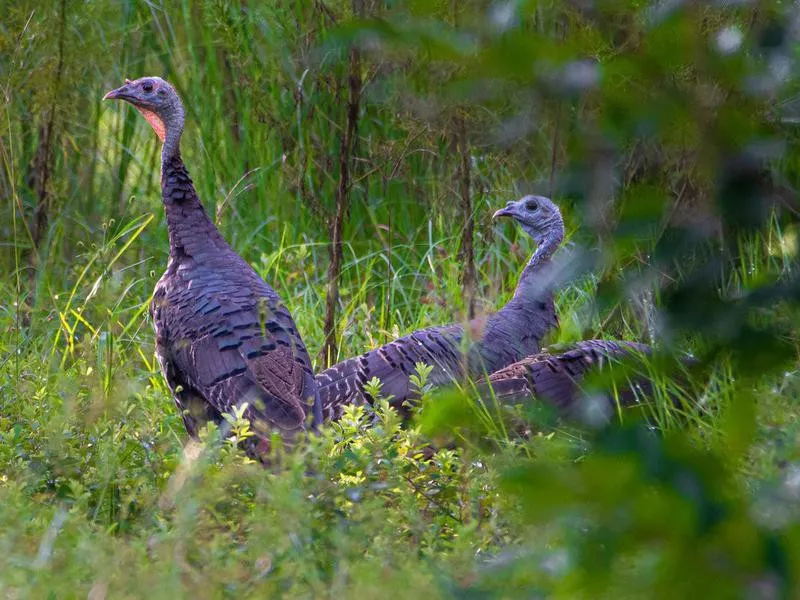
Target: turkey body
[(224, 339), (454, 351), (223, 336), (556, 378)]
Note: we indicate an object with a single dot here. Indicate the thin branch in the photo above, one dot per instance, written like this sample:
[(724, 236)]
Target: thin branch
[(346, 151), (469, 279)]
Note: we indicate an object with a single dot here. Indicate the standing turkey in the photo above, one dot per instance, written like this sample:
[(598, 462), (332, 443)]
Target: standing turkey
[(223, 336), (497, 340)]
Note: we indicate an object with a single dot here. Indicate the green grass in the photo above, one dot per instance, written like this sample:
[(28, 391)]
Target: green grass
[(101, 493)]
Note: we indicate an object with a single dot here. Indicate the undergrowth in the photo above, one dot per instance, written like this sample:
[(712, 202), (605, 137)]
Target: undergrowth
[(466, 105), (100, 487)]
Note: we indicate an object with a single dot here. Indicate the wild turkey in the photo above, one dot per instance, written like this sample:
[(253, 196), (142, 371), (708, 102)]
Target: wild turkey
[(556, 379), (515, 331), (223, 336)]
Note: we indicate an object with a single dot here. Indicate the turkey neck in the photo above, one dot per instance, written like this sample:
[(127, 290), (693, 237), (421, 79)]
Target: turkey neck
[(191, 231), (534, 285)]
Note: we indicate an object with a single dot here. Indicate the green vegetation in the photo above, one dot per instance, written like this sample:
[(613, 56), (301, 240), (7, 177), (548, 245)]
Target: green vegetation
[(665, 132)]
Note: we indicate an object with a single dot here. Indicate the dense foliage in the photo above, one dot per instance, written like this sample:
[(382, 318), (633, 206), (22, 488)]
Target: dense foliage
[(665, 130)]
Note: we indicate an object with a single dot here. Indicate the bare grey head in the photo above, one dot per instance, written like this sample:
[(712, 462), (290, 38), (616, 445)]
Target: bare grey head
[(159, 103), (538, 216)]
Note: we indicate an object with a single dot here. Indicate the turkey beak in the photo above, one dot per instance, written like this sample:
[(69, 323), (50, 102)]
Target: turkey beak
[(121, 93), (503, 212)]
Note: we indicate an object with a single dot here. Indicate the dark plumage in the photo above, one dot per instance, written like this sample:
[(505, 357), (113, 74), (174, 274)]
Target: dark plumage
[(223, 336), (497, 340), (556, 378)]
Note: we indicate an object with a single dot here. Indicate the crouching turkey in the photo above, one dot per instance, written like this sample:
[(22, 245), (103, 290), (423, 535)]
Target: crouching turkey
[(557, 379), (224, 338), (457, 351)]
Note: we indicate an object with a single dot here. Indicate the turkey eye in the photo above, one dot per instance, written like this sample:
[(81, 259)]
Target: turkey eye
[(162, 92), (147, 87), (532, 205)]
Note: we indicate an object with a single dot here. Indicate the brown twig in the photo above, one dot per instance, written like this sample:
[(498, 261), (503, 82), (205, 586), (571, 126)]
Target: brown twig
[(346, 151), (467, 252), (43, 159)]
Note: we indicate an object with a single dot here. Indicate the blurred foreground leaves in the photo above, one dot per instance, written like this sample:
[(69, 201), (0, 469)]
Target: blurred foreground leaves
[(666, 126)]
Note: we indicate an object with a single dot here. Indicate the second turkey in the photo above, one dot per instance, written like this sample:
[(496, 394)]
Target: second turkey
[(499, 339)]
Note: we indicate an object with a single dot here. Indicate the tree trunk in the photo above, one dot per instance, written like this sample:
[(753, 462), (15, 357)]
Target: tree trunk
[(346, 150), (43, 159), (42, 164), (467, 251)]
